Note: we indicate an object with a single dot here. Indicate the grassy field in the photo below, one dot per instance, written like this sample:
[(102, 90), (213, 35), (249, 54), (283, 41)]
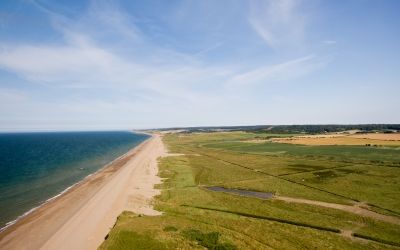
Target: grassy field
[(197, 218)]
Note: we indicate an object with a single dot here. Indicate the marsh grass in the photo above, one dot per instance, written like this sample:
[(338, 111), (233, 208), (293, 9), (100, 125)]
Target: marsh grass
[(197, 218)]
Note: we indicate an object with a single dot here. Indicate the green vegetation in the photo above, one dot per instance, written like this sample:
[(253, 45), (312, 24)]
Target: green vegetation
[(310, 129), (197, 218), (207, 240)]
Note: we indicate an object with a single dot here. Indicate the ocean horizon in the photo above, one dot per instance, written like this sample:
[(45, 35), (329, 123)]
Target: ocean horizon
[(38, 166)]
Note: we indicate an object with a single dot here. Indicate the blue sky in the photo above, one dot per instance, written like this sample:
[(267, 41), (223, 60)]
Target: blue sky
[(76, 65)]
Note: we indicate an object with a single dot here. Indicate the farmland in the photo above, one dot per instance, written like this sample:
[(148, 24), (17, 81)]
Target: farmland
[(370, 139), (329, 196)]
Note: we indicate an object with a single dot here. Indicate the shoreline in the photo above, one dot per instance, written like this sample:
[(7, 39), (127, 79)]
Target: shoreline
[(41, 223), (10, 223)]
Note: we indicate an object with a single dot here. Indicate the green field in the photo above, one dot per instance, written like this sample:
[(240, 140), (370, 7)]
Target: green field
[(197, 218)]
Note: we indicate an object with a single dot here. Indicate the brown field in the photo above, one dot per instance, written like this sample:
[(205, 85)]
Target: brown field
[(379, 136), (356, 139)]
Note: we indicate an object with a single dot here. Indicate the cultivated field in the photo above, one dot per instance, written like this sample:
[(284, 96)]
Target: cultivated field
[(323, 197), (379, 136), (372, 139)]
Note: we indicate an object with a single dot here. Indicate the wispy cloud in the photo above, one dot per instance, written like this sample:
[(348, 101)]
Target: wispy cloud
[(329, 42), (279, 23), (207, 50), (86, 65), (111, 16), (82, 63), (61, 65), (143, 77), (283, 71)]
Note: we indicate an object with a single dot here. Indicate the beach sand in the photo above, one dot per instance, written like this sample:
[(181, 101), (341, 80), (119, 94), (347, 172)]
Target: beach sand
[(83, 216)]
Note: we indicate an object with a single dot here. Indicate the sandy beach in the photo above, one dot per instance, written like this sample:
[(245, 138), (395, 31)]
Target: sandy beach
[(83, 216)]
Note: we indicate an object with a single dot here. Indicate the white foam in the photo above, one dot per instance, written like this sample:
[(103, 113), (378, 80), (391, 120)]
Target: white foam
[(8, 224)]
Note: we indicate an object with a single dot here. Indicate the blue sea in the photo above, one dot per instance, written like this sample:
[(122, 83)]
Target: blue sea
[(37, 166)]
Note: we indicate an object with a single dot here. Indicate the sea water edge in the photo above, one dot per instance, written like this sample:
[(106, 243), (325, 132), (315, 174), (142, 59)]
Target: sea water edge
[(84, 156)]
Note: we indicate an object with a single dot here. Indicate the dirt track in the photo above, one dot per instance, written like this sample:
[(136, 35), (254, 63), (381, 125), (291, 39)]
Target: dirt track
[(355, 209)]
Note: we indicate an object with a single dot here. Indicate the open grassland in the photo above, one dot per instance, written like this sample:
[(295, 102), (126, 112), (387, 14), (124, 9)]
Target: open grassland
[(197, 218), (379, 139)]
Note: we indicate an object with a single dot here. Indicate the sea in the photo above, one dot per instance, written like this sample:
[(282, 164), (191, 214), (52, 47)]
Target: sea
[(38, 166)]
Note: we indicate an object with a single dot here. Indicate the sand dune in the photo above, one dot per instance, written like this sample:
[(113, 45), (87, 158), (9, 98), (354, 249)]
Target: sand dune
[(82, 217)]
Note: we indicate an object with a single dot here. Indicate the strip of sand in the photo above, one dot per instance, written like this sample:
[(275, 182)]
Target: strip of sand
[(82, 217)]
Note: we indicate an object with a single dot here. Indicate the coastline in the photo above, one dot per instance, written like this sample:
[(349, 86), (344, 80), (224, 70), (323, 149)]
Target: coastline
[(40, 224), (10, 223)]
